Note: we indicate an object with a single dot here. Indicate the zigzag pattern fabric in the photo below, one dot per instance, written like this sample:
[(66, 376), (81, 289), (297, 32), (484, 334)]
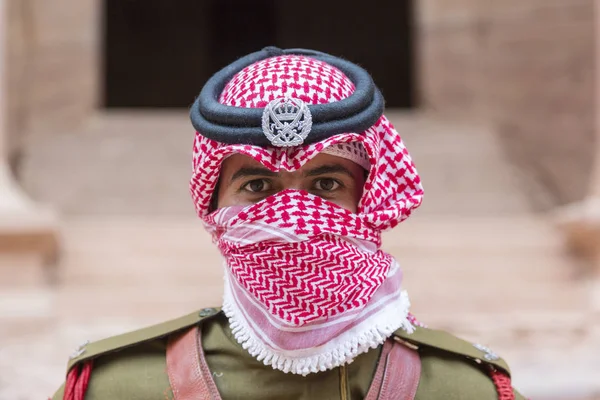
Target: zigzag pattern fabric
[(317, 264), (307, 286)]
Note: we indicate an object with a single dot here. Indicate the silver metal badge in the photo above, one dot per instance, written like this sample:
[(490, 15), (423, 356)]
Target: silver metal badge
[(488, 353), (80, 350), (286, 122)]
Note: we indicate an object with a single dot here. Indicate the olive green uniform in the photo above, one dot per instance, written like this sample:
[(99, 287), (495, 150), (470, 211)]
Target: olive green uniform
[(133, 367)]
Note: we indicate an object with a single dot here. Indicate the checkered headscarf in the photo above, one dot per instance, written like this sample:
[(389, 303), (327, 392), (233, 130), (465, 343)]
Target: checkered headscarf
[(307, 287), (393, 187)]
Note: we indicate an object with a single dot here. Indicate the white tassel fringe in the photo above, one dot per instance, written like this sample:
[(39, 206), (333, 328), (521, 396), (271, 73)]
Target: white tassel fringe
[(381, 326)]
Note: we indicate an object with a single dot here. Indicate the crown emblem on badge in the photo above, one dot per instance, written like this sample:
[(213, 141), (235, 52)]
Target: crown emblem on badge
[(286, 122)]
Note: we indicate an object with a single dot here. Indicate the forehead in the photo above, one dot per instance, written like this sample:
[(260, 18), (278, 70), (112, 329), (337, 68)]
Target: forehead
[(235, 162)]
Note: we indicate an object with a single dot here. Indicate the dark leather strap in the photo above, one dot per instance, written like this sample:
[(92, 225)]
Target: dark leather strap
[(188, 372), (396, 377), (373, 392), (397, 374)]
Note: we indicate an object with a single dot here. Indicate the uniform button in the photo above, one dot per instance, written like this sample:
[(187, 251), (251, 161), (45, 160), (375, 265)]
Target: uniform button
[(80, 350), (488, 353), (207, 312)]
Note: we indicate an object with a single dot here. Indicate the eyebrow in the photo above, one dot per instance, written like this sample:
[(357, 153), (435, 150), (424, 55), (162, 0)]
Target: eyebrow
[(245, 172), (329, 169)]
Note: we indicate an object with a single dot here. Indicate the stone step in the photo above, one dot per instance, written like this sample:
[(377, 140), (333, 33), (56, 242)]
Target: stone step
[(462, 166), (475, 232)]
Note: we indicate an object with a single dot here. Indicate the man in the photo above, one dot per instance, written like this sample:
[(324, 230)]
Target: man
[(296, 172)]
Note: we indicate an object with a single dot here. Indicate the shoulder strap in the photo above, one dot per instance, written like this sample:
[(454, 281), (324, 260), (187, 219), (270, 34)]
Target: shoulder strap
[(188, 371), (115, 343), (397, 375), (445, 341)]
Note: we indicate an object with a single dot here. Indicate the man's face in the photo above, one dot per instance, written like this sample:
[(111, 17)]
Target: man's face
[(244, 181)]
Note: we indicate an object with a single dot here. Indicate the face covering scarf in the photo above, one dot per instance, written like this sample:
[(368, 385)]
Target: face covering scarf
[(307, 287)]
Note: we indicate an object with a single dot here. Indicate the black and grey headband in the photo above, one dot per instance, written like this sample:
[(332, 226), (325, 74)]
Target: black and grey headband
[(286, 121)]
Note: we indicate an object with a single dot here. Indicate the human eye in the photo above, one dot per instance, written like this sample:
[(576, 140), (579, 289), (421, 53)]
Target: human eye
[(257, 186), (326, 184)]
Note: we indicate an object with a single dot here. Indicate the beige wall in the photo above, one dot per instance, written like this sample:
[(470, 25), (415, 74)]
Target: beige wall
[(53, 65), (528, 66)]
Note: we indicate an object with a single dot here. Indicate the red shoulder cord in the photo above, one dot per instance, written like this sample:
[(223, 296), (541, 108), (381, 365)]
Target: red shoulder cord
[(78, 380), (503, 385)]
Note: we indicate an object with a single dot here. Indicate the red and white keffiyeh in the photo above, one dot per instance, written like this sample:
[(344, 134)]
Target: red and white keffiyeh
[(307, 287)]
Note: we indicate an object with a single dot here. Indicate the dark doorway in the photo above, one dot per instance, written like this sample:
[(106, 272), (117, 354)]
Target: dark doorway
[(159, 53)]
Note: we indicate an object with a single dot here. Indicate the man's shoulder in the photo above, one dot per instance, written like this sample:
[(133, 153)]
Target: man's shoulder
[(451, 366), (445, 342), (139, 337), (132, 365), (136, 372)]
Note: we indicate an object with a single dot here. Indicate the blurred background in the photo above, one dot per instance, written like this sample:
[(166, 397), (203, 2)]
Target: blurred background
[(496, 101)]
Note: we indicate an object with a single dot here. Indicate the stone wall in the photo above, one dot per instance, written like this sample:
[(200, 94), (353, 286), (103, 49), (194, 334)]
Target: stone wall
[(53, 65), (528, 66)]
